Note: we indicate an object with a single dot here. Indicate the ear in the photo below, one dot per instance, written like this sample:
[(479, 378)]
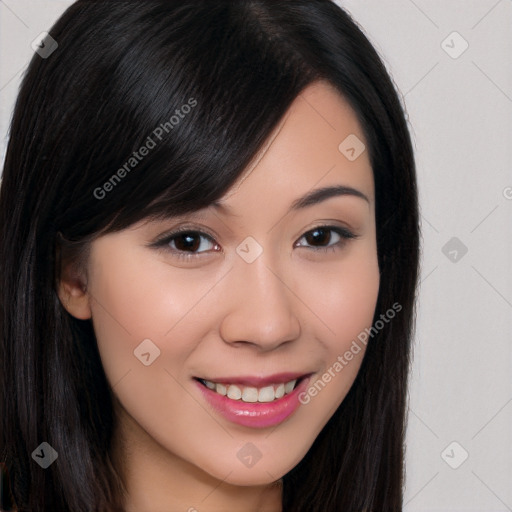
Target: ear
[(72, 291)]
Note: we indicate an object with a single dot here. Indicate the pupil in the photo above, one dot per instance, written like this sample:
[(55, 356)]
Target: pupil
[(187, 241), (317, 235)]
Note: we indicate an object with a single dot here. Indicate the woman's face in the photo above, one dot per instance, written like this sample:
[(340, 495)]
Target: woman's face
[(261, 290)]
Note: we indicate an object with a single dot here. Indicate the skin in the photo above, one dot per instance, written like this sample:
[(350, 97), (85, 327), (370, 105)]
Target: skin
[(292, 309)]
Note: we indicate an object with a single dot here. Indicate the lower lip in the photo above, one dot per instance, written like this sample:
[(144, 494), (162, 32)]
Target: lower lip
[(256, 414)]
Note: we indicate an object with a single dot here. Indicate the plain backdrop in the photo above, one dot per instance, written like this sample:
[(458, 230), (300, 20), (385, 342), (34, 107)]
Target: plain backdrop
[(450, 60)]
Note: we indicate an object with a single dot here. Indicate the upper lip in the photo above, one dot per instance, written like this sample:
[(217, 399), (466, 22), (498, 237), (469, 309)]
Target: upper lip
[(259, 382)]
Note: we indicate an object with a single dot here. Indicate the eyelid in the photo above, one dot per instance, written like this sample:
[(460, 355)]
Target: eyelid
[(346, 230)]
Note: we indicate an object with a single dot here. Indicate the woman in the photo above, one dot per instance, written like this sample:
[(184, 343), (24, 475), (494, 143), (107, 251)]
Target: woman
[(209, 254)]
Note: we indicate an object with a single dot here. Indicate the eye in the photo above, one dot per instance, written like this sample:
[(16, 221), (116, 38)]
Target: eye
[(187, 243), (327, 237)]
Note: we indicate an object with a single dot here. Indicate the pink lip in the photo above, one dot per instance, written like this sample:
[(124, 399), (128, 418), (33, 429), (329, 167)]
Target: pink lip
[(255, 415)]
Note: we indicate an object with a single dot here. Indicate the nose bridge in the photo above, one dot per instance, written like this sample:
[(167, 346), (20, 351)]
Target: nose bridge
[(264, 286), (261, 310)]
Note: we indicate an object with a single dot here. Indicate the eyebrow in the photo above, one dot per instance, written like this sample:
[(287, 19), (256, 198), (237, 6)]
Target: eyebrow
[(322, 194), (314, 197)]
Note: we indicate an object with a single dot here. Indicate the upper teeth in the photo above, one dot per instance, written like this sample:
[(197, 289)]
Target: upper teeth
[(250, 394)]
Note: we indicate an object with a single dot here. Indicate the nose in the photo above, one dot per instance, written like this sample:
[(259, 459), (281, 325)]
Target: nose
[(260, 307)]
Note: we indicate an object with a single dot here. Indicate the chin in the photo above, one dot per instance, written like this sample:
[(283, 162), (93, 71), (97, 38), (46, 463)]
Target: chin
[(257, 475)]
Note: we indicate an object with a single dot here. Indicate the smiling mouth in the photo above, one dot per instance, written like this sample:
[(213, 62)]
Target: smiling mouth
[(251, 394)]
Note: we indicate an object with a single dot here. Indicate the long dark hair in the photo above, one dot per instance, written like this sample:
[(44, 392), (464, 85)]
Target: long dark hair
[(121, 70)]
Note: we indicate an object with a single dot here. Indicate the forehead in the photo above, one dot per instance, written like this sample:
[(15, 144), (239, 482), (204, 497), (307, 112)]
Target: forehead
[(318, 143)]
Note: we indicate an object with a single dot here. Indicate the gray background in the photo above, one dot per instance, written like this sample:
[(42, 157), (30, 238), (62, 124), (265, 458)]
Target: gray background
[(460, 110)]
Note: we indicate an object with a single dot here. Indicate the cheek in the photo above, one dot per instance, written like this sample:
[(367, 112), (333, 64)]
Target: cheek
[(343, 295), (141, 297), (134, 299), (140, 302)]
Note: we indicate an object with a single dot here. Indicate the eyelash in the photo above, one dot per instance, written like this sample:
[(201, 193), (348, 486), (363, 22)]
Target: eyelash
[(164, 241)]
